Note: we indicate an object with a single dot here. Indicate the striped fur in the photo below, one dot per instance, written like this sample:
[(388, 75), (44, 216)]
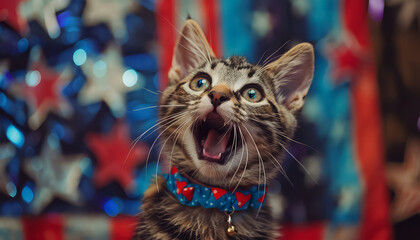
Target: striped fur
[(260, 131)]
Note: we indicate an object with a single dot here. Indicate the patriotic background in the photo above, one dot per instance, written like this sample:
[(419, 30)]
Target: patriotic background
[(79, 82)]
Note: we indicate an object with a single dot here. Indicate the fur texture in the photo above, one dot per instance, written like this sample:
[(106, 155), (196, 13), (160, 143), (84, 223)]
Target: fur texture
[(252, 108)]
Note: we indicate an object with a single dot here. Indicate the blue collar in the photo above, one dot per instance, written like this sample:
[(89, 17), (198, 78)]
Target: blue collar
[(193, 194)]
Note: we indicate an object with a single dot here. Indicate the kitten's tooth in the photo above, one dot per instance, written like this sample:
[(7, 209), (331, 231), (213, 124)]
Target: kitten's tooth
[(219, 156)]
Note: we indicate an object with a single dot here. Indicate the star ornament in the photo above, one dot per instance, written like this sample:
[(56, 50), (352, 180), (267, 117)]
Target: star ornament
[(108, 80), (348, 59), (116, 159), (404, 180), (42, 92), (55, 175), (44, 11), (110, 12)]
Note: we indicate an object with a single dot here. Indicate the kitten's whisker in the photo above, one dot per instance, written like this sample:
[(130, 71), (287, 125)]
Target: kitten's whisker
[(232, 147), (263, 114), (158, 92), (240, 160), (244, 143), (163, 123), (151, 91), (304, 168), (174, 105), (183, 136), (295, 141), (260, 162), (173, 146), (285, 136), (282, 171), (261, 58), (154, 142), (161, 149), (278, 49), (220, 139), (135, 141)]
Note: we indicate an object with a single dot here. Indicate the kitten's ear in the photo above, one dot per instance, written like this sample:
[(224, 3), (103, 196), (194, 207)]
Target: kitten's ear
[(191, 50), (293, 73)]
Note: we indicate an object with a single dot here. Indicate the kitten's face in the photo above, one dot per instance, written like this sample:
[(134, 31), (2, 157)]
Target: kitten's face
[(225, 122)]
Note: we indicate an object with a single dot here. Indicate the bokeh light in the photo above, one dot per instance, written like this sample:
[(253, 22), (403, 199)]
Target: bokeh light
[(15, 136), (130, 78), (27, 194), (112, 207), (33, 78), (11, 189), (79, 57), (376, 9)]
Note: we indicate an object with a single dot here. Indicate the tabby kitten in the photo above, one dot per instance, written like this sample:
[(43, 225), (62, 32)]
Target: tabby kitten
[(224, 125)]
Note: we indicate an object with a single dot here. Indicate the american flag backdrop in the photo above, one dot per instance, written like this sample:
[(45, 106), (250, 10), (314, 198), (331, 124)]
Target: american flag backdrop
[(79, 88)]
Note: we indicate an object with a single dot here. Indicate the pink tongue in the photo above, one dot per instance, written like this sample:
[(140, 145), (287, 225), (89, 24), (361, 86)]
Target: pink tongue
[(214, 145)]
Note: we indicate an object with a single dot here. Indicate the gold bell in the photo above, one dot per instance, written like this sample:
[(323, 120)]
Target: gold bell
[(231, 230)]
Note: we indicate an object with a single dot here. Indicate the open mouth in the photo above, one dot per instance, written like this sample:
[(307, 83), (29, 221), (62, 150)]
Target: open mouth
[(214, 139)]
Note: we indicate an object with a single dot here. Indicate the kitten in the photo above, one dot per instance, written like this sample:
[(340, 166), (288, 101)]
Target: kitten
[(225, 123)]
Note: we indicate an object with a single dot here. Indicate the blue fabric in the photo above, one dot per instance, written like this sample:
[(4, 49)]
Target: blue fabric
[(329, 107), (238, 38), (213, 197)]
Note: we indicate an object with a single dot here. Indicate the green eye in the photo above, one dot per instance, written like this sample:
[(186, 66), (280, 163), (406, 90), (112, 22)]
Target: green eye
[(199, 84), (252, 94)]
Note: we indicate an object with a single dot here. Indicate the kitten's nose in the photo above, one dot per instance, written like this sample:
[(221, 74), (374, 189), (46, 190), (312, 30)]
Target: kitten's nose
[(218, 97)]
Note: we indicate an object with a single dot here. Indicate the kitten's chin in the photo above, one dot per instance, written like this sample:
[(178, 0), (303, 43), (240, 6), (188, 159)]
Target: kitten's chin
[(212, 174)]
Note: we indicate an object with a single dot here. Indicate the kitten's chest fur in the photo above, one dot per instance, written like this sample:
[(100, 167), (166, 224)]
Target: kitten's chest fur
[(166, 218)]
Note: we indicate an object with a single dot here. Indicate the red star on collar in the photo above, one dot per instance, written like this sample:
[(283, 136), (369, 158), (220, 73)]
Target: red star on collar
[(114, 159), (404, 180), (9, 14)]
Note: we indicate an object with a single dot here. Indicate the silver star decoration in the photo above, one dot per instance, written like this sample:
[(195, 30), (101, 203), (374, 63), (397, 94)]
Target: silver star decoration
[(7, 151), (44, 12), (105, 81), (110, 12), (55, 175)]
